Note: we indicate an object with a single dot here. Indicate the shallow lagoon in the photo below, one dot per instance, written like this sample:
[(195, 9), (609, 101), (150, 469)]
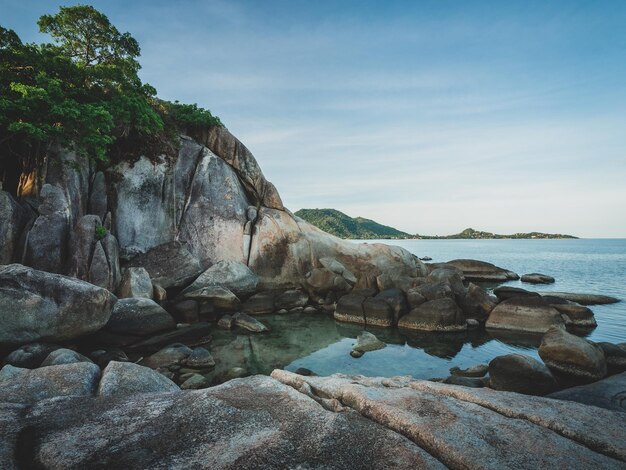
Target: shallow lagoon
[(318, 343)]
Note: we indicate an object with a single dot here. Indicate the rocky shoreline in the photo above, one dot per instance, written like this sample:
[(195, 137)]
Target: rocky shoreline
[(115, 285)]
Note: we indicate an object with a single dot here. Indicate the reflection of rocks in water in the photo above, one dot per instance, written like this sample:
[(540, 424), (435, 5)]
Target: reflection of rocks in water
[(290, 337), (516, 338), (444, 345), (386, 335)]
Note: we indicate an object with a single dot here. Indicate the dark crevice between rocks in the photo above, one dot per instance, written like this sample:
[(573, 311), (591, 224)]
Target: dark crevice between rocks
[(536, 422)]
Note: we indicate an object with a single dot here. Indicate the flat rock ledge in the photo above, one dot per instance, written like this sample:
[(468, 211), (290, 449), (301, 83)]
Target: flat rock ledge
[(293, 421)]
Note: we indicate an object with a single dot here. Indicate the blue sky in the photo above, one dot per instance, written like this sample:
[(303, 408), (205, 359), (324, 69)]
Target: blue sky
[(427, 116)]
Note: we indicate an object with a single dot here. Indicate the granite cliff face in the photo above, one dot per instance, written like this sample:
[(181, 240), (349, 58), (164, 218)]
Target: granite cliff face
[(213, 198)]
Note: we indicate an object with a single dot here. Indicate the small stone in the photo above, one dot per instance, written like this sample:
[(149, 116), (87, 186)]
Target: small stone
[(366, 342), (195, 382), (356, 354), (200, 358)]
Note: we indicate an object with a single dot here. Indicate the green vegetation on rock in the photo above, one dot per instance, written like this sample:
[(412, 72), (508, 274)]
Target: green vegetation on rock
[(341, 225)]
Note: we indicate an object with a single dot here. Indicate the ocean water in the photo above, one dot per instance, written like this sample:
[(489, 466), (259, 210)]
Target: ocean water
[(587, 265)]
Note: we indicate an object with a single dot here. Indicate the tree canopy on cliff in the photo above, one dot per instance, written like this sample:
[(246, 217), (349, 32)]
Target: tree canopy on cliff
[(81, 91)]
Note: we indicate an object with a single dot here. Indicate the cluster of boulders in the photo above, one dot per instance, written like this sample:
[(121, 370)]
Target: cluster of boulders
[(568, 361)]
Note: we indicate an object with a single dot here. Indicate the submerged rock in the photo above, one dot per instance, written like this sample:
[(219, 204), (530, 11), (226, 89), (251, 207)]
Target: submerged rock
[(366, 342), (571, 356), (481, 271)]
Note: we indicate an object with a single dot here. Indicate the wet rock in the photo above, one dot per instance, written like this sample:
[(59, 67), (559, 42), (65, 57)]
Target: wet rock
[(226, 322), (479, 370), (583, 299), (260, 303), (231, 275), (476, 303), (528, 314), (435, 315), (350, 309), (135, 282), (36, 305), (63, 356), (378, 312), (218, 297), (246, 322), (201, 359), (615, 357), (577, 315), (522, 374), (195, 382), (472, 382), (172, 355), (29, 386), (367, 342), (291, 299), (481, 271), (396, 300), (127, 378), (139, 316), (506, 292), (29, 356), (169, 265), (571, 356), (537, 278), (607, 393)]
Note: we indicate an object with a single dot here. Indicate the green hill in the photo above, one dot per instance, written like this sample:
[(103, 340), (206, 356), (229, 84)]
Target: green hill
[(341, 225)]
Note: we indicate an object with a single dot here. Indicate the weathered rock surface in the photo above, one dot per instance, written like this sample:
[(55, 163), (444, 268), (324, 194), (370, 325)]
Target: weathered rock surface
[(35, 305), (139, 316), (537, 278), (529, 314), (126, 378), (476, 303), (169, 265), (232, 275), (135, 282), (435, 315), (609, 393), (481, 271), (522, 374), (63, 356), (572, 356), (437, 417), (583, 299), (29, 386)]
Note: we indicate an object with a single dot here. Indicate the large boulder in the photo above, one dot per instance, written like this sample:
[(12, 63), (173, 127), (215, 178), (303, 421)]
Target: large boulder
[(139, 316), (232, 275), (572, 357), (29, 386), (350, 309), (476, 303), (29, 356), (169, 265), (126, 378), (36, 305), (435, 315), (396, 299), (576, 315), (527, 314), (522, 374), (481, 271)]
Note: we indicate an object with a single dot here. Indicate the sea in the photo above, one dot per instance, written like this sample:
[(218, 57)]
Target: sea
[(595, 266)]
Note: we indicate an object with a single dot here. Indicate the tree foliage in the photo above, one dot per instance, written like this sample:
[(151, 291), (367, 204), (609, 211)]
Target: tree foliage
[(81, 91)]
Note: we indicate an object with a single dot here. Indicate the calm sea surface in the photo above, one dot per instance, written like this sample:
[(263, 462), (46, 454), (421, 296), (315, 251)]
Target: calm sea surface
[(322, 345)]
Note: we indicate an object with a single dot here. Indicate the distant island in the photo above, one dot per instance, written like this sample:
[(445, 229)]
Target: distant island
[(341, 225)]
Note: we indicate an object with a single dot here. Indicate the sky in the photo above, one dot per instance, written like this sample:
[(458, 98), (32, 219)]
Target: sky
[(429, 116)]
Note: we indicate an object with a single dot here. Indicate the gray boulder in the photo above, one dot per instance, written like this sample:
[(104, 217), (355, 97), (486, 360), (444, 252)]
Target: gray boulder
[(11, 223), (98, 201), (29, 386), (528, 314), (522, 374), (135, 282), (172, 355), (29, 356), (434, 291), (481, 271), (82, 245), (139, 316), (169, 265), (232, 275), (127, 378), (615, 356), (63, 356), (537, 278), (572, 357), (435, 315), (36, 305), (350, 309), (606, 393), (476, 303), (396, 300), (321, 281), (576, 315), (217, 296), (450, 277), (507, 292), (200, 359)]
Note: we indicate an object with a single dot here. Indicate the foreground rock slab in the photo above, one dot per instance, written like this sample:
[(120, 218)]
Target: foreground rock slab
[(249, 423), (609, 393)]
